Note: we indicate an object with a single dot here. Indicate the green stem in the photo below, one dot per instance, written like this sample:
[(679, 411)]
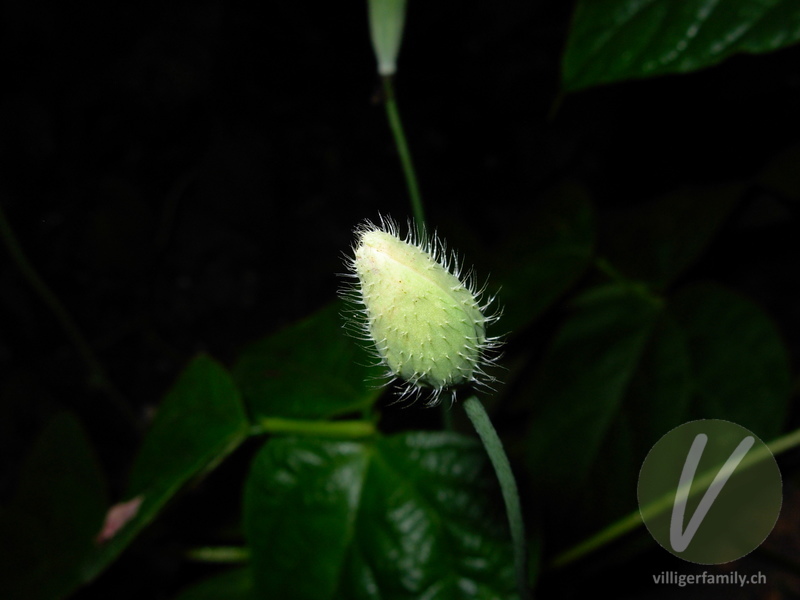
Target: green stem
[(634, 519), (784, 443), (400, 143), (332, 429), (637, 287), (219, 554), (405, 155), (508, 485), (600, 539), (97, 375)]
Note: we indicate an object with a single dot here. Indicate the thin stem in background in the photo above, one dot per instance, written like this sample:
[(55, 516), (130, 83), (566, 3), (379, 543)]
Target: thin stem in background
[(508, 485), (219, 554), (97, 375), (630, 522), (405, 155)]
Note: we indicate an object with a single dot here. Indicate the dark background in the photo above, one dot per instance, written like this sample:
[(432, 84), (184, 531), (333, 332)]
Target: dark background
[(186, 177)]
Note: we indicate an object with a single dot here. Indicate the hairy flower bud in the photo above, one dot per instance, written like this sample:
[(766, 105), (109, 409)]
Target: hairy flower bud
[(426, 324)]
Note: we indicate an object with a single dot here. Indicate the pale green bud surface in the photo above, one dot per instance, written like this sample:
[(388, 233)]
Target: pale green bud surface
[(427, 326)]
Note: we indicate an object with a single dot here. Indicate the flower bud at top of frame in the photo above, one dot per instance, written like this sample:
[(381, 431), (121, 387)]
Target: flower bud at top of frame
[(386, 20)]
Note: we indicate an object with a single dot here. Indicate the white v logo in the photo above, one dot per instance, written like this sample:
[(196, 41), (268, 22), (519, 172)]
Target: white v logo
[(680, 539)]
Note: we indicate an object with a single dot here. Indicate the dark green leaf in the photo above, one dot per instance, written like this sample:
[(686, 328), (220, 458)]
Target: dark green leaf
[(583, 379), (52, 522), (199, 422), (613, 40), (409, 516), (616, 378), (234, 584), (622, 372), (740, 369), (656, 400), (311, 370), (659, 395), (546, 254), (657, 241), (782, 178)]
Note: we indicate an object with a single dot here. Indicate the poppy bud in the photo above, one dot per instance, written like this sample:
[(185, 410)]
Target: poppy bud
[(426, 324)]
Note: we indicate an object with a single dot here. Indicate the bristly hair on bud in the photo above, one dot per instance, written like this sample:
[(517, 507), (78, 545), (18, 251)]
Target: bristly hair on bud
[(424, 321)]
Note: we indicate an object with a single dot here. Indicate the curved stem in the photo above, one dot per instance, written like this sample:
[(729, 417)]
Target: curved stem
[(97, 375), (405, 155), (630, 522), (508, 485)]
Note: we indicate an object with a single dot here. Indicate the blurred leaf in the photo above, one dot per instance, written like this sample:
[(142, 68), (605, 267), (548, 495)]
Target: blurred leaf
[(656, 400), (781, 174), (545, 255), (199, 422), (234, 584), (311, 370), (582, 380), (50, 525), (416, 515), (657, 241), (659, 395), (622, 372), (740, 368), (614, 40)]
